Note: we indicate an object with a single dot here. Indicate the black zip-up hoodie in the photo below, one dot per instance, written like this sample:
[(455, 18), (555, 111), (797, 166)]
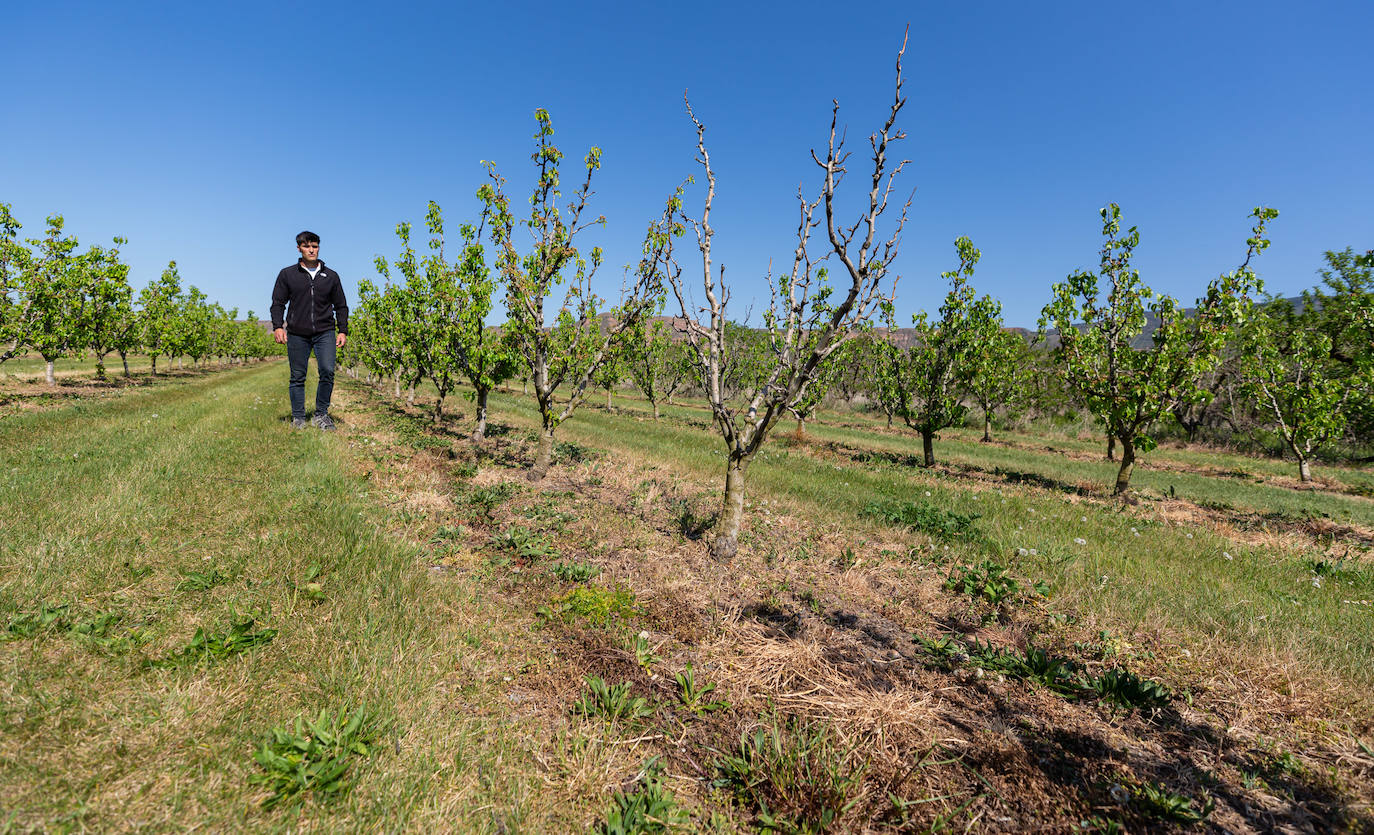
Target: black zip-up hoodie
[(314, 304)]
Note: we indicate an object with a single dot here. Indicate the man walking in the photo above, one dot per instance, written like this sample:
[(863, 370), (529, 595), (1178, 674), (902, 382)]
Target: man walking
[(316, 299)]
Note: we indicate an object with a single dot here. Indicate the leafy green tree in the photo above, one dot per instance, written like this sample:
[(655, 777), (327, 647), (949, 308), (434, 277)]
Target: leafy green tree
[(998, 367), (375, 328), (53, 292), (854, 366), (1310, 368), (746, 360), (808, 320), (158, 308), (108, 312), (614, 369), (1346, 301), (448, 304), (1128, 388), (196, 325), (563, 348), (805, 407), (924, 382), (647, 361), (14, 258)]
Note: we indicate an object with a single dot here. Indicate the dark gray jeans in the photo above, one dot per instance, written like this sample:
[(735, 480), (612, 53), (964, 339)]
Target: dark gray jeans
[(298, 350)]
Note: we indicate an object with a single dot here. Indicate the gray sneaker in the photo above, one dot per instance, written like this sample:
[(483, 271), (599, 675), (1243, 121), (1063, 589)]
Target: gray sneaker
[(298, 423), (324, 422)]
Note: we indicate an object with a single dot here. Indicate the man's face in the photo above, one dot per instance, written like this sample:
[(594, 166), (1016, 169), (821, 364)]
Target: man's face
[(310, 250)]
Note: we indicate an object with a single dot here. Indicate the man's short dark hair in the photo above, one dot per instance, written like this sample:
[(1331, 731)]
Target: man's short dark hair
[(307, 238)]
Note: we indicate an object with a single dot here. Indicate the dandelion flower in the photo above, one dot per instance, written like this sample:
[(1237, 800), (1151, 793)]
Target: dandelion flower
[(1080, 540), (1023, 552), (927, 492), (1033, 552), (1082, 518), (1226, 554)]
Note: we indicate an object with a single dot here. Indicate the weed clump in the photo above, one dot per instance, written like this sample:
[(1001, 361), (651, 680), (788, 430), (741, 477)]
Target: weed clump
[(201, 580), (988, 581), (611, 701), (525, 544), (46, 619), (650, 808), (484, 500), (696, 697), (1157, 803), (593, 604), (58, 620), (1126, 690), (575, 572), (794, 776), (943, 525), (314, 755), (206, 647)]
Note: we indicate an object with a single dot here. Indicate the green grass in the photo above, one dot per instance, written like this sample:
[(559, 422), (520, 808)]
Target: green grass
[(167, 517)]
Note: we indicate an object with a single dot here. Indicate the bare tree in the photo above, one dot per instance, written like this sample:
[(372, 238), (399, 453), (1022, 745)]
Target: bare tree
[(807, 320)]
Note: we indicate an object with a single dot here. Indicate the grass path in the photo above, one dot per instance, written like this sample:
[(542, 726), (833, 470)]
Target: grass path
[(111, 507)]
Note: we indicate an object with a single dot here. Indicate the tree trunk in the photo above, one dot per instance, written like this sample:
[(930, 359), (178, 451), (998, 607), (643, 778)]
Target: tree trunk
[(608, 400), (439, 410), (1305, 470), (889, 420), (987, 427), (525, 386), (124, 358), (544, 458), (52, 381), (1123, 476), (655, 402), (100, 366), (726, 543), (480, 433), (153, 358), (411, 397), (397, 381), (928, 447), (1111, 447)]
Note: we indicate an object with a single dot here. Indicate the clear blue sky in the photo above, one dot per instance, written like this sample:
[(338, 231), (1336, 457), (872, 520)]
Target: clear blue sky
[(212, 133)]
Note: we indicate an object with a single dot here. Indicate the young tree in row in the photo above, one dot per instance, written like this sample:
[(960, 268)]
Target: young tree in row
[(375, 330), (196, 325), (110, 323), (570, 349), (1128, 388), (998, 367), (52, 288), (924, 383), (805, 408), (613, 370), (653, 362), (854, 365), (1297, 387), (158, 303), (446, 306), (807, 321)]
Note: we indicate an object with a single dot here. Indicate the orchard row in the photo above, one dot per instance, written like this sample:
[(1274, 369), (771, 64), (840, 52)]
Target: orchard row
[(1129, 356), (59, 301)]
